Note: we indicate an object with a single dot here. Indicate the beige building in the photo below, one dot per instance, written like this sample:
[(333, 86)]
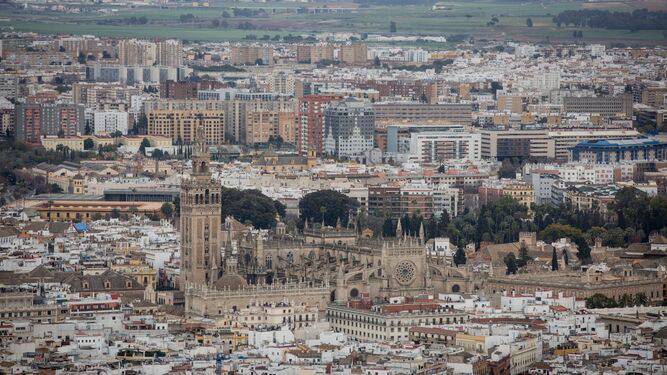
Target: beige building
[(390, 322), (314, 53), (262, 125), (251, 55), (136, 52), (574, 284), (353, 54), (181, 124), (76, 143), (522, 192)]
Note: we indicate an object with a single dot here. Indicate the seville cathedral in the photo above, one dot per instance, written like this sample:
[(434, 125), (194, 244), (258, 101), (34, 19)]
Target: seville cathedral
[(223, 270)]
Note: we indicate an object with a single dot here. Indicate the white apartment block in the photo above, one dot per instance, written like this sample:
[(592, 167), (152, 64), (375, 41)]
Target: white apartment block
[(107, 122), (439, 146)]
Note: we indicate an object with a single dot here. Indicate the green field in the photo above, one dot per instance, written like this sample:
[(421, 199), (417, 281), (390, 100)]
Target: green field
[(459, 17)]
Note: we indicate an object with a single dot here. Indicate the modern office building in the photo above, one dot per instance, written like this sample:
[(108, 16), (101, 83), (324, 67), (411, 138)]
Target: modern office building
[(614, 151)]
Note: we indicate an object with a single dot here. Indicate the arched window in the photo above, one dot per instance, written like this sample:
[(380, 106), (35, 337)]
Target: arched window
[(206, 196)]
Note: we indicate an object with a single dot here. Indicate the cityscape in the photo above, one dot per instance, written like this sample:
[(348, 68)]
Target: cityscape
[(368, 187)]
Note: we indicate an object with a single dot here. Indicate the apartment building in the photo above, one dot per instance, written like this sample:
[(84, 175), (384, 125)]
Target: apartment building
[(606, 106), (310, 121), (389, 322), (353, 54), (109, 122), (36, 120), (180, 125), (423, 113), (251, 55), (349, 128), (314, 53), (262, 125)]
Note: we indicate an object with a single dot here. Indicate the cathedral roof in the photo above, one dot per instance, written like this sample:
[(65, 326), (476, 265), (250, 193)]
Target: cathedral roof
[(231, 281)]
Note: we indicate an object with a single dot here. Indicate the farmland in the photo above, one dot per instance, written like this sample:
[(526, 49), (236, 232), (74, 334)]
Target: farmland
[(479, 19)]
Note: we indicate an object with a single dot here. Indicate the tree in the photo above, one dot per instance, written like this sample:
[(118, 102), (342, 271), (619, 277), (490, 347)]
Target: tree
[(116, 134), (566, 258), (529, 22), (328, 206), (144, 143), (626, 300), (641, 299), (115, 213), (376, 62), (88, 144), (388, 228), (392, 27), (554, 260), (460, 257), (250, 206), (600, 301), (554, 232), (524, 258), (510, 263), (177, 206), (167, 210)]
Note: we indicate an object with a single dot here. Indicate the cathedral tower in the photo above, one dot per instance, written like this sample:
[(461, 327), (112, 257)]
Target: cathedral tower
[(200, 220)]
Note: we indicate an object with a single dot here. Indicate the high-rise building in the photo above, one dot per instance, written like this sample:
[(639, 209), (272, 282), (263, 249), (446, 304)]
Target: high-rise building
[(314, 53), (7, 117), (201, 241), (34, 120), (310, 121), (251, 55), (239, 103), (169, 53), (180, 125), (136, 52), (349, 128), (187, 90), (29, 123), (109, 122), (9, 86), (261, 126), (353, 54)]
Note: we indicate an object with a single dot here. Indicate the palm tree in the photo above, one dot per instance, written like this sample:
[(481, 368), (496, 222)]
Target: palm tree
[(625, 300), (641, 299)]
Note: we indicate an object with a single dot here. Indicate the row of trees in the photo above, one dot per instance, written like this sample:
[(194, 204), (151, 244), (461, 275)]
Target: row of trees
[(601, 301), (640, 19)]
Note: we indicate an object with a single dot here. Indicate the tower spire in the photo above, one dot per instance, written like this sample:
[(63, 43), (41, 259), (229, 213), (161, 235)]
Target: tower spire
[(399, 229)]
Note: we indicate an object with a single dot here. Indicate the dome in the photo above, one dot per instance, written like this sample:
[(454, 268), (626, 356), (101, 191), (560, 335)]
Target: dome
[(230, 281)]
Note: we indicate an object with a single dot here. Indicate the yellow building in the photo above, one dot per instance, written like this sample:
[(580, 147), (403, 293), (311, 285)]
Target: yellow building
[(143, 273), (522, 192), (87, 210), (181, 124), (76, 143), (471, 343)]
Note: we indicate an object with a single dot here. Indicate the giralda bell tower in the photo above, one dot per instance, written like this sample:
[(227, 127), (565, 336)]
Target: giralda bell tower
[(200, 220)]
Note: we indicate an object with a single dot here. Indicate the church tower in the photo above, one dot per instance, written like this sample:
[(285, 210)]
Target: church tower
[(200, 220)]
